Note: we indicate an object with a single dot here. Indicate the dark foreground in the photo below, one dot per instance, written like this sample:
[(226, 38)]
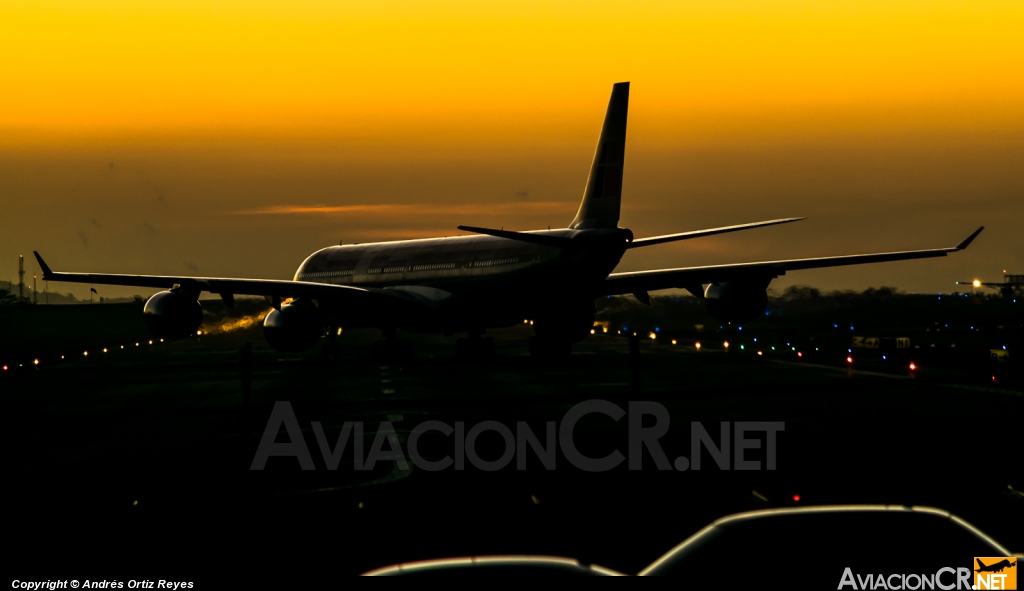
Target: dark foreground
[(135, 464)]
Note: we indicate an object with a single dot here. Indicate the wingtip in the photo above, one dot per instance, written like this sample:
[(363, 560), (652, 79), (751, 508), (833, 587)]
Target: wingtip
[(967, 241), (42, 265)]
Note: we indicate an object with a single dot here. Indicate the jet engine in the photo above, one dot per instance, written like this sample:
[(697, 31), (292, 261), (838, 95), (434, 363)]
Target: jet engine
[(736, 301), (296, 326), (172, 314)]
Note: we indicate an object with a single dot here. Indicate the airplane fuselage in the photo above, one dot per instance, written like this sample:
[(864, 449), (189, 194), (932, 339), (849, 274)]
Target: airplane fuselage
[(475, 282)]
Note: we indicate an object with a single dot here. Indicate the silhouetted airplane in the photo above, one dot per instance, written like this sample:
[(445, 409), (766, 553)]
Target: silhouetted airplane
[(994, 568), (467, 284)]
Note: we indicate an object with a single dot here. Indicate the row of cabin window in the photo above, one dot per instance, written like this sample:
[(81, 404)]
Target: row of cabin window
[(507, 261), (429, 267), (435, 266), (404, 268), (330, 273)]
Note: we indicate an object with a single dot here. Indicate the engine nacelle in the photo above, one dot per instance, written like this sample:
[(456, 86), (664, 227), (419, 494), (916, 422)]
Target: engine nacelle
[(736, 302), (172, 315), (295, 327)]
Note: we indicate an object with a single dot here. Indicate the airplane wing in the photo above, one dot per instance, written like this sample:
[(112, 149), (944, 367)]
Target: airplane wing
[(692, 277), (228, 287)]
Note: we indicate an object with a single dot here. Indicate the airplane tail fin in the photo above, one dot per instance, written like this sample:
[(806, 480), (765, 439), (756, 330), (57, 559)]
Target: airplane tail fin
[(981, 564), (600, 206)]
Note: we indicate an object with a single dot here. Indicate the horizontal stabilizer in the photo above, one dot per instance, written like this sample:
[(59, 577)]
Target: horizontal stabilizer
[(553, 241), (710, 232)]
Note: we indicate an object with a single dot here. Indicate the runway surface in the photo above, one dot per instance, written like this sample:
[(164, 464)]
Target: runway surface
[(142, 455)]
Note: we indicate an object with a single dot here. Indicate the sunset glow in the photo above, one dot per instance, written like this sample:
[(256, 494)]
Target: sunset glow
[(120, 121), (103, 65)]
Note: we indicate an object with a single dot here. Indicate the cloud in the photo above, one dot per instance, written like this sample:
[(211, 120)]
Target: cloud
[(192, 267), (392, 208), (96, 223), (149, 227), (81, 236)]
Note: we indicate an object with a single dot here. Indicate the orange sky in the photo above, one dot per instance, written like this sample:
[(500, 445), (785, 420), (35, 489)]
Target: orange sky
[(131, 131)]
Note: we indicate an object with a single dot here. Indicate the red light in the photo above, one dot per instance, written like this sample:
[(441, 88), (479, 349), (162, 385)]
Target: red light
[(799, 354), (912, 366), (993, 377), (796, 498), (849, 359)]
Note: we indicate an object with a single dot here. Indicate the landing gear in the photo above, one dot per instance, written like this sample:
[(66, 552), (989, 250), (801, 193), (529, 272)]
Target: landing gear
[(475, 347), (332, 349), (550, 348)]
